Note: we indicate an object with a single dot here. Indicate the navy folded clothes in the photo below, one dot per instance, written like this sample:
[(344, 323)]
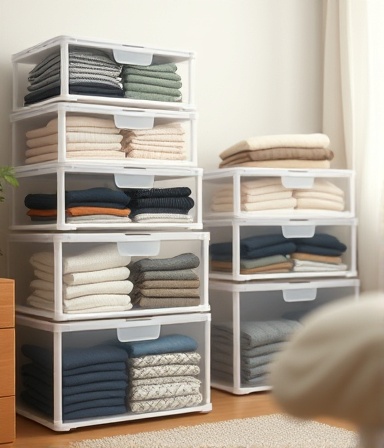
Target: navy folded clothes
[(89, 412), (92, 90), (100, 196), (322, 240), (164, 344), (318, 250), (284, 248), (73, 358), (181, 203), (46, 374), (136, 193), (249, 244)]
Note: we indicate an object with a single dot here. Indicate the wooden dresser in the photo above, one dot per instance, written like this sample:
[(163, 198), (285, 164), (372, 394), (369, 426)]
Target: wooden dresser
[(7, 361)]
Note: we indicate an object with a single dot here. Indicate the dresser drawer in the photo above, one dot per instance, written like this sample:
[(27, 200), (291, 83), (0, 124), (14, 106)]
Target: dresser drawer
[(7, 419), (7, 362), (7, 304)]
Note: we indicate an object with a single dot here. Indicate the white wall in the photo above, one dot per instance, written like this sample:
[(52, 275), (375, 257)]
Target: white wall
[(259, 62)]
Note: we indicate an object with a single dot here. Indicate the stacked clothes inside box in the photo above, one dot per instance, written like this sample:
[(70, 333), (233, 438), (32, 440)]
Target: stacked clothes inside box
[(322, 252), (259, 342), (260, 194), (91, 72), (268, 193), (165, 141), (163, 373), (155, 82), (91, 205), (95, 280), (280, 151), (86, 137), (273, 253), (161, 205), (258, 254), (94, 381), (165, 282)]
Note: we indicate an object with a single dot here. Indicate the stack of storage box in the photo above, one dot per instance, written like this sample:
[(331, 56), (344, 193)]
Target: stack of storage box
[(270, 266), (106, 245)]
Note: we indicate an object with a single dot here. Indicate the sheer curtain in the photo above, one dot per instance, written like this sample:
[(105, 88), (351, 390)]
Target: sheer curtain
[(353, 117)]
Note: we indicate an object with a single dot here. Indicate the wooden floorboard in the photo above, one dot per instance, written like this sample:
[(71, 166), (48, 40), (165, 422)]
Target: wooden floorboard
[(226, 406)]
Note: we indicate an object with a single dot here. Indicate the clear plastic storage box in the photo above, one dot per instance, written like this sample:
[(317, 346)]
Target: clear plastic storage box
[(177, 142), (76, 276), (61, 343), (255, 304), (118, 53), (58, 179), (232, 236), (251, 193)]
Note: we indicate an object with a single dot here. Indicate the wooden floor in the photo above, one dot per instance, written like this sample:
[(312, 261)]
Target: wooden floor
[(225, 406)]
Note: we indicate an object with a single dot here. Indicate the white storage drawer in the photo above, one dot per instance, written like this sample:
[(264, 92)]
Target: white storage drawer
[(64, 61), (258, 249), (121, 357), (240, 369), (90, 133), (251, 193), (52, 185), (96, 276)]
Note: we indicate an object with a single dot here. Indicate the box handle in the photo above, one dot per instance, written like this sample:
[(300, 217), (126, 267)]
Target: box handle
[(135, 248), (134, 180), (299, 295), (297, 182), (132, 57), (132, 122), (305, 231), (142, 333)]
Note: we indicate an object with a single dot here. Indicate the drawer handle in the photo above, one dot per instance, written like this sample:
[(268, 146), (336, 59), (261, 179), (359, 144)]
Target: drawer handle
[(297, 182), (134, 180), (132, 57), (143, 333), (132, 122), (134, 248), (305, 231), (299, 295)]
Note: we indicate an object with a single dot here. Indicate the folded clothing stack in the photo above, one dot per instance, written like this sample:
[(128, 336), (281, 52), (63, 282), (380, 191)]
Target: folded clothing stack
[(268, 193), (259, 342), (86, 138), (274, 253), (94, 281), (262, 254), (322, 252), (161, 142), (280, 151), (94, 381), (161, 205), (91, 72), (260, 194), (165, 282), (324, 195), (163, 373), (92, 205), (156, 82)]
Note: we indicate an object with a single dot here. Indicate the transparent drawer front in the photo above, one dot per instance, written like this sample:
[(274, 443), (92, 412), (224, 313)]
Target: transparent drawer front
[(96, 276), (254, 193), (252, 322), (250, 250), (109, 371), (104, 73), (78, 133), (71, 198)]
